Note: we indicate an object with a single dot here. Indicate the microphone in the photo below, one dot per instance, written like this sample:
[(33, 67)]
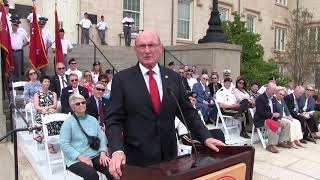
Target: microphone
[(198, 161)]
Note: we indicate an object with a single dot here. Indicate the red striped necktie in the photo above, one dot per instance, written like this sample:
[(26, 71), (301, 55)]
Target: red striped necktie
[(154, 92)]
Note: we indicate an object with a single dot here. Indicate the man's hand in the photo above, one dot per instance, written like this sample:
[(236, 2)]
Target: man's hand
[(85, 160), (115, 163), (213, 143)]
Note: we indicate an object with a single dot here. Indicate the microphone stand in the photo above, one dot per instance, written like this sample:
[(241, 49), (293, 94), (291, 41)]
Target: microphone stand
[(198, 161), (13, 133)]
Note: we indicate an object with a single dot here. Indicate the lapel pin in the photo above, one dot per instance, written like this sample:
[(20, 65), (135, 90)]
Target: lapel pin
[(165, 76)]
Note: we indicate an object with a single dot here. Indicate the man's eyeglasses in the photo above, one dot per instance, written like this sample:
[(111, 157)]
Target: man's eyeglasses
[(281, 94), (78, 103), (144, 46), (205, 79), (100, 89), (310, 89), (73, 63), (180, 72), (74, 80), (87, 75), (60, 68)]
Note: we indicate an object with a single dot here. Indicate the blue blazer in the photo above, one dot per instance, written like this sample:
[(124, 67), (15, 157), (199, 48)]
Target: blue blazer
[(311, 103), (201, 94)]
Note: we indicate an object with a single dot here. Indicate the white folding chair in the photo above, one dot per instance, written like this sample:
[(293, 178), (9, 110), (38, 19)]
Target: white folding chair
[(52, 139), (260, 134), (15, 97), (228, 122)]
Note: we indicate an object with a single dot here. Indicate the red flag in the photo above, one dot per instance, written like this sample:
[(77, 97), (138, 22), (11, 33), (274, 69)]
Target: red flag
[(6, 43), (37, 55), (59, 54)]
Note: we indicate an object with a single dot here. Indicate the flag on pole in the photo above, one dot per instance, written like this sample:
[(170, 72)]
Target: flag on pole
[(37, 55), (58, 54), (6, 43)]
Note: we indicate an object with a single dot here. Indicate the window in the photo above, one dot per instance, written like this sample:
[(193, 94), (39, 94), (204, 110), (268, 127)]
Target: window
[(184, 19), (280, 34), (224, 14), (251, 23), (313, 38), (282, 2), (133, 6)]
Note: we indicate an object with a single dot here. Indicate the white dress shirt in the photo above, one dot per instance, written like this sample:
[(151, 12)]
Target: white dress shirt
[(156, 76), (66, 45), (77, 72), (127, 19), (85, 23), (225, 96), (18, 38), (102, 25), (47, 37)]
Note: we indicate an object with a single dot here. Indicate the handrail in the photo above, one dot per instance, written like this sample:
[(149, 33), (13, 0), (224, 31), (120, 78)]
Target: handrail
[(97, 48), (174, 57)]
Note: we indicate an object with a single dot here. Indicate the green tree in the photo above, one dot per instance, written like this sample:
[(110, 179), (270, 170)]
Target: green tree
[(253, 68)]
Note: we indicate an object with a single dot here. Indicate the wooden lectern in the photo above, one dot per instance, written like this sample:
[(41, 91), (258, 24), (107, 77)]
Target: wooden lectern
[(231, 163)]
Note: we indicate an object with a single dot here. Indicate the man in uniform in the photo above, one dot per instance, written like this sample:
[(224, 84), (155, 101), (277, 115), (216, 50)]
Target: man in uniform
[(102, 28), (85, 25), (19, 40), (66, 47), (127, 26), (46, 37)]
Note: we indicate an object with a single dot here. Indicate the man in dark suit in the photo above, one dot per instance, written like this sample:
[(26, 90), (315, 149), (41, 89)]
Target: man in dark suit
[(266, 109), (72, 88), (184, 80), (60, 80), (96, 104), (141, 110), (292, 101)]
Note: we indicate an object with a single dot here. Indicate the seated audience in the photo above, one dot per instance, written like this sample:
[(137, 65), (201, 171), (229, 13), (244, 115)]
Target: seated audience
[(87, 81), (79, 157), (184, 79), (109, 75), (241, 93), (292, 101), (195, 74), (191, 81), (214, 86), (229, 106), (73, 87), (295, 126), (73, 68), (306, 106), (45, 102), (59, 81), (227, 74), (96, 71), (31, 87), (317, 104), (204, 99), (254, 90), (264, 87), (104, 79), (96, 104), (267, 115)]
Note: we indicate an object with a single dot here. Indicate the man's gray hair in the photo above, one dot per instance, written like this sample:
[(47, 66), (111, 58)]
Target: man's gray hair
[(74, 97)]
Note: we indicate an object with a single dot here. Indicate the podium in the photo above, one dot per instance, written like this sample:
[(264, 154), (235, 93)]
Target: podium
[(230, 163)]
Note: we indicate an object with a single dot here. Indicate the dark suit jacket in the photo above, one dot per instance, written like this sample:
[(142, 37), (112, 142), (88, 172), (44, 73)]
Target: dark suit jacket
[(55, 84), (185, 84), (92, 108), (212, 92), (66, 92), (263, 110), (148, 137), (289, 99)]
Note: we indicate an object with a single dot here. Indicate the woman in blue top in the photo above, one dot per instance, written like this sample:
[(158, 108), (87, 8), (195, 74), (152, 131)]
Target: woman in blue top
[(79, 157), (31, 87)]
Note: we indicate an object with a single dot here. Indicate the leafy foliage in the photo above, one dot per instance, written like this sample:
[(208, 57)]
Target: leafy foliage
[(253, 68)]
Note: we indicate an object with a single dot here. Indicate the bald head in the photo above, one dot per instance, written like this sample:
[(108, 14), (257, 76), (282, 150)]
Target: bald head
[(271, 89), (148, 48)]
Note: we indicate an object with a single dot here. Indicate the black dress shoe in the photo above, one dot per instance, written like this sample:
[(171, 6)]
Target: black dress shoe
[(244, 134), (310, 139), (303, 141)]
